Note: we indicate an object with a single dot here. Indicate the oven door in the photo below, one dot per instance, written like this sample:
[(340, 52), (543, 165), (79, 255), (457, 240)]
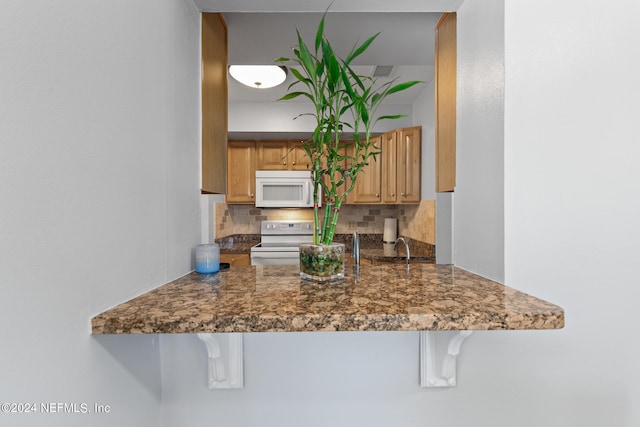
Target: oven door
[(275, 256)]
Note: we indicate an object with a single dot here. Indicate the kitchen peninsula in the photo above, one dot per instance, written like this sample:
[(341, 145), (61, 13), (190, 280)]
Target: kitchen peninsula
[(385, 297), (389, 296)]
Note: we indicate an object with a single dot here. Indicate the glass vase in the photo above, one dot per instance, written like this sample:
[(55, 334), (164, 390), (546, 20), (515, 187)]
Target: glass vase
[(321, 263)]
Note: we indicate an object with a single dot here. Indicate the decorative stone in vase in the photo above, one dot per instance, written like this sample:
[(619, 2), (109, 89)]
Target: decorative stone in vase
[(322, 263)]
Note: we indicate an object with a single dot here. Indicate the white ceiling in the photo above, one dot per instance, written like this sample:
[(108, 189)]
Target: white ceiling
[(406, 42), (260, 31)]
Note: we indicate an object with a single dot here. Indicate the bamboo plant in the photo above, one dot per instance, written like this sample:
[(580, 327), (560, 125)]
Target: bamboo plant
[(345, 104)]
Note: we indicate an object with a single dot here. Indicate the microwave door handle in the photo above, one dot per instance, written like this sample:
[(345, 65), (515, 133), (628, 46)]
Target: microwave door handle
[(308, 190)]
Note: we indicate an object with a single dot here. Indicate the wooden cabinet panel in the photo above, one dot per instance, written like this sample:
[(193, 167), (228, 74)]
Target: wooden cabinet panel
[(369, 182), (409, 151), (445, 102), (297, 158), (395, 176), (236, 259), (214, 103), (389, 162), (272, 155), (282, 155), (241, 172)]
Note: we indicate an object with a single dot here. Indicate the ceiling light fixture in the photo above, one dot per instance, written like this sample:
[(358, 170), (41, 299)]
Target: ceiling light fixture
[(258, 76)]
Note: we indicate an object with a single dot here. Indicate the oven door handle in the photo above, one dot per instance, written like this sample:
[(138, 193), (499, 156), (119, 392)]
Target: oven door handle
[(275, 254)]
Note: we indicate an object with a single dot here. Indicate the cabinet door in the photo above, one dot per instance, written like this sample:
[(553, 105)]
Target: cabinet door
[(297, 158), (368, 183), (214, 103), (409, 156), (241, 172), (236, 259), (272, 155), (445, 103), (389, 161)]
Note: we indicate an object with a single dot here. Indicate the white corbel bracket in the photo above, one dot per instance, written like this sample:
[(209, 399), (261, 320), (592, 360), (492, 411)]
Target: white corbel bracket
[(225, 357), (429, 376)]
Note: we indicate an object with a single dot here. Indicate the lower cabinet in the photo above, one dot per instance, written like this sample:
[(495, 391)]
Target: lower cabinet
[(236, 259)]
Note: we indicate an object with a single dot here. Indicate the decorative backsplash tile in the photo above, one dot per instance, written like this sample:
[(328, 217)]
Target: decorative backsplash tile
[(414, 221)]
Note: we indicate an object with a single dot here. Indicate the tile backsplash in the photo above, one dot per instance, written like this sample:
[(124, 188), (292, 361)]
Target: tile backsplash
[(414, 221)]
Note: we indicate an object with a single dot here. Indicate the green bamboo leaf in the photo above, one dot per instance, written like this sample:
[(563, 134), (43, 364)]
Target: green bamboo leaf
[(358, 51), (298, 75), (376, 98), (292, 95), (320, 32), (305, 57), (403, 86), (393, 117), (356, 78), (347, 83)]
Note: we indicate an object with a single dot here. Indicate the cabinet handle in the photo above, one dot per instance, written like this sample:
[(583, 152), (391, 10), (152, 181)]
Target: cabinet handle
[(284, 163), (403, 195), (393, 194), (377, 196), (293, 163), (251, 195)]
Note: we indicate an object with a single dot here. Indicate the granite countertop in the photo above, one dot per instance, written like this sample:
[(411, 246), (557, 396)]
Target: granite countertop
[(238, 243), (371, 247), (383, 297)]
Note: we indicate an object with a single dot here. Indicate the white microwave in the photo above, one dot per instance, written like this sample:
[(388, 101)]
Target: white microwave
[(284, 189)]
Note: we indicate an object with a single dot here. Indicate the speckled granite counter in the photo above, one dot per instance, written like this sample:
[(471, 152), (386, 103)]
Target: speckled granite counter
[(371, 247), (238, 243), (384, 297)]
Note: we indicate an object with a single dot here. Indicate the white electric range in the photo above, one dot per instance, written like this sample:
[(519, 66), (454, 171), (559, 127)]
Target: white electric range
[(280, 242)]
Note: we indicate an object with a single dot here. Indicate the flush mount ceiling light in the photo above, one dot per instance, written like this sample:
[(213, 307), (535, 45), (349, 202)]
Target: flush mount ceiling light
[(258, 76)]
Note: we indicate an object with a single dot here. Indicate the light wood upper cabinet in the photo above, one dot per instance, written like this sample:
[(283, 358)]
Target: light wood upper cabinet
[(272, 155), (241, 167), (445, 102), (394, 177), (409, 152), (297, 158), (389, 164), (369, 181), (214, 103), (282, 155)]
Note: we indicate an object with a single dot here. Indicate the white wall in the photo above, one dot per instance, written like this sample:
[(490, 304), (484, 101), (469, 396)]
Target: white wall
[(478, 237), (424, 115), (278, 116), (99, 189), (572, 203)]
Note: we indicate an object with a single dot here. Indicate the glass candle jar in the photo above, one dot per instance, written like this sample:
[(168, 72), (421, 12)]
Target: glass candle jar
[(207, 258)]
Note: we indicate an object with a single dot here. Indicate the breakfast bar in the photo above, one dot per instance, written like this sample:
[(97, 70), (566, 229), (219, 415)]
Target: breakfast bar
[(429, 298), (384, 297)]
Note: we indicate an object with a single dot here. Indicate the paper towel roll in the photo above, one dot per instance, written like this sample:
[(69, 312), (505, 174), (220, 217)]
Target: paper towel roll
[(390, 230)]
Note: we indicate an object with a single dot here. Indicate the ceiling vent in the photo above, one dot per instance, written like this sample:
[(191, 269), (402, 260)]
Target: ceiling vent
[(382, 70)]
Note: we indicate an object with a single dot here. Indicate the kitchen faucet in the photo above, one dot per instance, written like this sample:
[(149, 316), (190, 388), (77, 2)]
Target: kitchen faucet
[(355, 248), (406, 246)]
